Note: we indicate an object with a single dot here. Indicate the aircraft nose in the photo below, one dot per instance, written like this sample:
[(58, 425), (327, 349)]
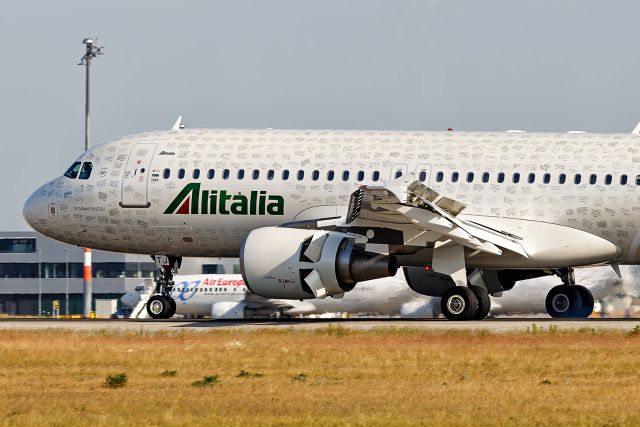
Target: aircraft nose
[(37, 210)]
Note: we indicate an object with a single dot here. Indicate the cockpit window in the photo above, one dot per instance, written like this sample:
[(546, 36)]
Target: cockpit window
[(73, 170), (85, 173)]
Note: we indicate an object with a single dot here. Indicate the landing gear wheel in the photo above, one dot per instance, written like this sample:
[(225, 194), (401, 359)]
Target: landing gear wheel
[(459, 303), (587, 302), (564, 301), (172, 308), (484, 302), (158, 307)]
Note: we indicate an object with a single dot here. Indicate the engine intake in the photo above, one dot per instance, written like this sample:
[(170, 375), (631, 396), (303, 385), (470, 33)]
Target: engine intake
[(291, 263)]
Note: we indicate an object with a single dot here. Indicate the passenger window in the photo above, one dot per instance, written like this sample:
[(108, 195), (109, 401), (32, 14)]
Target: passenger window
[(73, 170), (546, 178), (166, 173), (225, 174), (270, 174), (593, 179), (285, 175), (577, 179), (398, 174), (454, 177), (562, 178), (345, 175), (255, 174), (315, 175), (422, 176), (608, 179), (500, 177), (516, 178), (485, 177), (439, 176), (330, 175), (300, 175), (532, 178), (360, 176), (196, 173), (85, 173), (240, 173), (211, 173), (376, 176), (470, 177), (623, 179), (181, 173)]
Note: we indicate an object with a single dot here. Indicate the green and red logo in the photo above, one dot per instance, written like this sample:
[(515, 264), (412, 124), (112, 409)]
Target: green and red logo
[(193, 201)]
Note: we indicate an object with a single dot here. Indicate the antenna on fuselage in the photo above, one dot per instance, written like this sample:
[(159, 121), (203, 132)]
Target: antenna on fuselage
[(178, 124)]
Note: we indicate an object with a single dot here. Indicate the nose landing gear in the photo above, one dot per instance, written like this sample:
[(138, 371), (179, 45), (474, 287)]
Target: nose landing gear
[(161, 305)]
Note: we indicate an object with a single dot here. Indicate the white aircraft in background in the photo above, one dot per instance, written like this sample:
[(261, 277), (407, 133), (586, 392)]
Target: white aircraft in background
[(225, 296), (310, 213)]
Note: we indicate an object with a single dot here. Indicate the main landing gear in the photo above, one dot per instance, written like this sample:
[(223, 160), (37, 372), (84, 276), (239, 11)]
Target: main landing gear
[(466, 300), (161, 305), (465, 303), (569, 299)]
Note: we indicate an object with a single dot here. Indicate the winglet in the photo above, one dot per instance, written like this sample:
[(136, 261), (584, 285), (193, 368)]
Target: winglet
[(636, 130), (178, 124)]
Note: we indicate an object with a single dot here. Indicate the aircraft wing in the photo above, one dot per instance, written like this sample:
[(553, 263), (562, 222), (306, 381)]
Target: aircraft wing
[(425, 216)]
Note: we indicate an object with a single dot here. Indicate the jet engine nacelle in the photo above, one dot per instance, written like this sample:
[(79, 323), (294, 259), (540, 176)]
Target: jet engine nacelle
[(293, 263), (228, 310)]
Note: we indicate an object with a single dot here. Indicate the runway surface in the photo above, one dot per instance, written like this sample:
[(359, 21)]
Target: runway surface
[(491, 325)]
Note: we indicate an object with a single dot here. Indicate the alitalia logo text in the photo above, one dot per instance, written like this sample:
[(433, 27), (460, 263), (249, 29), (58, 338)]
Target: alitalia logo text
[(193, 201)]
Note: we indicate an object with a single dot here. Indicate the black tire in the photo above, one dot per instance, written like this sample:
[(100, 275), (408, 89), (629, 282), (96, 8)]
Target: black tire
[(459, 303), (484, 302), (587, 302), (172, 308), (563, 301), (158, 306)]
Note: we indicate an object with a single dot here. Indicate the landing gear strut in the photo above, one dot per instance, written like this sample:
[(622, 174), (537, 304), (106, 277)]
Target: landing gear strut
[(569, 299), (161, 305)]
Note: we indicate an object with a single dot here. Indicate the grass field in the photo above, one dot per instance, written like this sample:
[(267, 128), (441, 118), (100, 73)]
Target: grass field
[(331, 376)]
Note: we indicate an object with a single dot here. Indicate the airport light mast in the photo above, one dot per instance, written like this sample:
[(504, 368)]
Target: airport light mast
[(91, 52)]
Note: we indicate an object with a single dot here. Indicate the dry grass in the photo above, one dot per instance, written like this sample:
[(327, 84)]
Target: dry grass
[(327, 377)]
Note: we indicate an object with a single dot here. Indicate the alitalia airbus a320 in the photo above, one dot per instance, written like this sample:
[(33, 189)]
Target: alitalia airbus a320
[(310, 213)]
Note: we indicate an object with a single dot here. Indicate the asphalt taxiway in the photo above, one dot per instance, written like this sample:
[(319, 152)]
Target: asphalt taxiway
[(490, 325)]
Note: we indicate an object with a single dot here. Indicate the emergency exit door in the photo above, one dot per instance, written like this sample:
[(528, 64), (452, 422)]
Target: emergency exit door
[(135, 180)]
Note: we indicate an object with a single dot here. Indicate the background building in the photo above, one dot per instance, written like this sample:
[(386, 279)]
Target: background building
[(35, 268)]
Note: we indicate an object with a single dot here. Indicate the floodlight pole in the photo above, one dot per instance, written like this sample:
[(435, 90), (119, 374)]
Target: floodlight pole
[(91, 52), (66, 282), (39, 283)]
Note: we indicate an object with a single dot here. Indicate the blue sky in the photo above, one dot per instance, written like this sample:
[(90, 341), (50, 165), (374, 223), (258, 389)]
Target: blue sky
[(367, 64)]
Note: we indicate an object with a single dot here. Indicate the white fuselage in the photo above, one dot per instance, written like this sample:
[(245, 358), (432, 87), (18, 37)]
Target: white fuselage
[(199, 192), (195, 295)]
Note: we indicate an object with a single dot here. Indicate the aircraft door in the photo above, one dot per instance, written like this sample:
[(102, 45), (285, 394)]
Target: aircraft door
[(135, 180)]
